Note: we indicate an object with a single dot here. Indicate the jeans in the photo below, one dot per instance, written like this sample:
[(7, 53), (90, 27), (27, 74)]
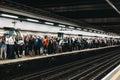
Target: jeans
[(3, 51)]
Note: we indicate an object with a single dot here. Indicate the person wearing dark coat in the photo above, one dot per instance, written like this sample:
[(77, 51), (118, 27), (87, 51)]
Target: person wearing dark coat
[(31, 46), (37, 46), (26, 42)]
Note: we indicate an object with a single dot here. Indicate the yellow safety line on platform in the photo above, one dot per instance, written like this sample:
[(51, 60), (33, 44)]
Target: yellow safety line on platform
[(115, 76)]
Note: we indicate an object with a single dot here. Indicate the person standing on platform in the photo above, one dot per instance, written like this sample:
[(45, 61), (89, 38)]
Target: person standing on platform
[(65, 45), (21, 46), (45, 45), (41, 45), (37, 45), (16, 47), (3, 48), (60, 45), (7, 44), (11, 50), (31, 46), (50, 46), (54, 45), (79, 43), (26, 41), (70, 42), (0, 45)]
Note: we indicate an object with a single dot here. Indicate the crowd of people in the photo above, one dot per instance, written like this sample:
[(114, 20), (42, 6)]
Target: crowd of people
[(12, 47)]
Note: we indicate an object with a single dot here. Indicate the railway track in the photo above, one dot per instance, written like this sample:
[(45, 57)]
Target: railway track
[(92, 68)]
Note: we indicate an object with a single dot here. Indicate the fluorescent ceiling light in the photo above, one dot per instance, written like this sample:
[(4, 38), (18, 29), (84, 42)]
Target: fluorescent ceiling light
[(49, 23), (33, 20), (61, 25), (79, 28), (63, 29), (94, 31), (71, 27), (84, 29), (98, 32), (90, 30), (10, 16)]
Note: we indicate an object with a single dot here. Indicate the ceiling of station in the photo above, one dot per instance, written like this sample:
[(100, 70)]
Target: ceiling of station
[(94, 12)]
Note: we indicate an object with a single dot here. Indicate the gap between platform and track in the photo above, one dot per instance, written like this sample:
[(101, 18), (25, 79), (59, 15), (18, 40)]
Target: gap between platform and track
[(52, 55)]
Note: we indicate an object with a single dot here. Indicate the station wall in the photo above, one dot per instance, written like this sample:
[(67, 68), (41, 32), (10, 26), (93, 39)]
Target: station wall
[(24, 25)]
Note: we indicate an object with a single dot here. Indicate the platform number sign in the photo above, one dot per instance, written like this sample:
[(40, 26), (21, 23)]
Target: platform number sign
[(11, 32), (60, 35)]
